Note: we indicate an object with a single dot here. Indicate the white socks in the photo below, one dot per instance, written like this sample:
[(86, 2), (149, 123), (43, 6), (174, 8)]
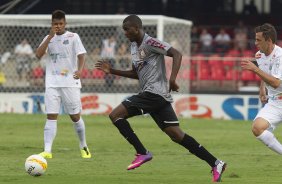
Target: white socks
[(80, 130), (50, 131), (269, 140)]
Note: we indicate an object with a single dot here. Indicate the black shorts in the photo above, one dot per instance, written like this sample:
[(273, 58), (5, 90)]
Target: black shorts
[(159, 109)]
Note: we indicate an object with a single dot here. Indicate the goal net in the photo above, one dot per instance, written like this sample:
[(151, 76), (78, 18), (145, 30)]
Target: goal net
[(20, 73)]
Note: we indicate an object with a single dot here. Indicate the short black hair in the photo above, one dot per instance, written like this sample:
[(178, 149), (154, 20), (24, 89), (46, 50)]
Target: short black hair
[(58, 14), (134, 19), (268, 31)]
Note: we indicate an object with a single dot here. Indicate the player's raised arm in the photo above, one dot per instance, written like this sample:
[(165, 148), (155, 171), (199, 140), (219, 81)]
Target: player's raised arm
[(41, 50), (105, 66), (247, 64), (177, 57)]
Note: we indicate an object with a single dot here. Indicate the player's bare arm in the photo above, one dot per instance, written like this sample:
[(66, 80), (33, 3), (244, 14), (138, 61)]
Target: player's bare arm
[(262, 93), (81, 64), (105, 66), (40, 51), (177, 57), (247, 64)]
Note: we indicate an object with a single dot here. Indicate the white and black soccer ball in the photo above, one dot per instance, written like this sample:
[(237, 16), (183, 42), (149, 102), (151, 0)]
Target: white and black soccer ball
[(35, 165)]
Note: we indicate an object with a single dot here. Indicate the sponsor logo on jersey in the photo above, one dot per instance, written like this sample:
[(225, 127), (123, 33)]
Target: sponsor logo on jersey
[(70, 35), (155, 43), (63, 72)]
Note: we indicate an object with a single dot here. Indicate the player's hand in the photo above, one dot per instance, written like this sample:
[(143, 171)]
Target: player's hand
[(103, 65), (247, 64), (76, 75), (53, 31), (263, 99), (173, 86)]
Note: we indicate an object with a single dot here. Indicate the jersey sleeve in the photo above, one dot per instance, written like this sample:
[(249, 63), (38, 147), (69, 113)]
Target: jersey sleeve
[(157, 46), (78, 46), (277, 68)]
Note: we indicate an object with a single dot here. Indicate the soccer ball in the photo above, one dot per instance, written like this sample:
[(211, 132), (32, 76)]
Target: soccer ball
[(35, 165)]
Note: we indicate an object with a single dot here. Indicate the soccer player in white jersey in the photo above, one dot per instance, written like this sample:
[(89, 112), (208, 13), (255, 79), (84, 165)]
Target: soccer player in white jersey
[(269, 60), (148, 66), (66, 59)]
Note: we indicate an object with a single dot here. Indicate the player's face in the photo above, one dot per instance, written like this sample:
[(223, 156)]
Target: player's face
[(130, 31), (59, 25), (262, 44)]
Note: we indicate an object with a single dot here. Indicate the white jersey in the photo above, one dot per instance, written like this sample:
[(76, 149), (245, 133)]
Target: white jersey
[(61, 61), (272, 65)]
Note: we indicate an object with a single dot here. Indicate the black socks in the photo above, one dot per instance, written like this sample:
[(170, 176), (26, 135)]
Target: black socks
[(195, 148), (127, 132)]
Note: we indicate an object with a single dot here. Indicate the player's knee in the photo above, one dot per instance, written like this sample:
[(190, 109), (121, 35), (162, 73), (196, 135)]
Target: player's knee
[(175, 136), (257, 130), (112, 117), (259, 126), (175, 139), (75, 119)]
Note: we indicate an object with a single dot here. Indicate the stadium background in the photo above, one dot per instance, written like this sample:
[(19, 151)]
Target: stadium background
[(214, 85)]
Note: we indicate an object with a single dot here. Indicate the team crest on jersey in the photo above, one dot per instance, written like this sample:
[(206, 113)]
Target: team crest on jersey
[(141, 54), (66, 42), (258, 55)]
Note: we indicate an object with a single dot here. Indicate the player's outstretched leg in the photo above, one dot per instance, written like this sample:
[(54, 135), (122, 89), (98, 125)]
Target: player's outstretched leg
[(178, 136), (198, 150), (260, 130), (126, 131)]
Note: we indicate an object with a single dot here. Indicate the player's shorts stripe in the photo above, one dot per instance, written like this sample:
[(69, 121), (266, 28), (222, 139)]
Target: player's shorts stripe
[(171, 121)]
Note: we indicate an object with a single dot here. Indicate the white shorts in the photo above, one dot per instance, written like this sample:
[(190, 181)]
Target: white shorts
[(68, 97), (272, 114)]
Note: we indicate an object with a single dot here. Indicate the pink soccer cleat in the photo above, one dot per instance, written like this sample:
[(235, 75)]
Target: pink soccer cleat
[(217, 171), (139, 160)]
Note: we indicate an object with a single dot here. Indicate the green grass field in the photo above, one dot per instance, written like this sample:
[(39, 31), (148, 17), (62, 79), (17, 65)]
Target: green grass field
[(249, 161)]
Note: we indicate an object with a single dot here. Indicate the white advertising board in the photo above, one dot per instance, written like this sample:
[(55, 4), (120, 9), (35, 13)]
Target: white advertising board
[(243, 107)]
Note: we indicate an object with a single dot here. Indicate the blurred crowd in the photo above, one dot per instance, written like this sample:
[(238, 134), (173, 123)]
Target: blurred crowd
[(222, 39), (211, 50)]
